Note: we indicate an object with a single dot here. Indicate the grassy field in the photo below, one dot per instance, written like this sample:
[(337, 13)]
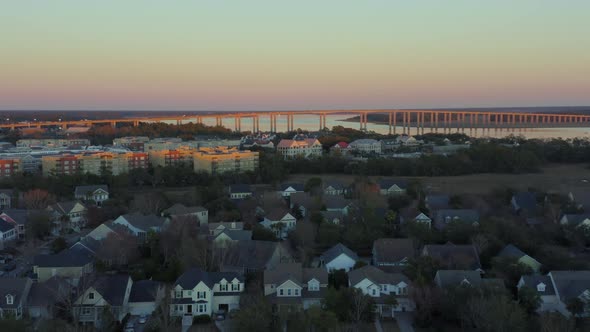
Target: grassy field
[(553, 178)]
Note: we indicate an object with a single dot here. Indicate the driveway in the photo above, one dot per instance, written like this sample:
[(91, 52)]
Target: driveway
[(404, 321)]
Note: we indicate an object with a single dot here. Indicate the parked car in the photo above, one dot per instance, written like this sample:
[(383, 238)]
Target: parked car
[(220, 315), (142, 319)]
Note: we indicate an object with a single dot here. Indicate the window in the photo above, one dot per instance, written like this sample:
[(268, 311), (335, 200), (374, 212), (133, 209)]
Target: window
[(178, 294), (91, 296), (189, 293), (281, 292), (201, 295), (9, 299), (235, 287), (86, 311), (384, 288), (223, 287), (202, 308), (289, 292), (296, 292), (374, 292), (541, 287)]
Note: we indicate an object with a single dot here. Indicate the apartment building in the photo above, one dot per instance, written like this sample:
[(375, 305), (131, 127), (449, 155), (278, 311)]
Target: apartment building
[(93, 163), (307, 148), (180, 156), (9, 167), (51, 142), (223, 159), (163, 143)]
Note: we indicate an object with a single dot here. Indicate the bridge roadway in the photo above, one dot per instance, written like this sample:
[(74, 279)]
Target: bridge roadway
[(419, 119)]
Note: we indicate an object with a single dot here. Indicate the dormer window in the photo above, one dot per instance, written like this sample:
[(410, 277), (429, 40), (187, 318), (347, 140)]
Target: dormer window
[(223, 287), (541, 287), (9, 299), (178, 294), (91, 296)]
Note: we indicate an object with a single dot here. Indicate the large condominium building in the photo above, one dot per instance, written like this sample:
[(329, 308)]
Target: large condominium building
[(365, 145), (135, 143), (182, 155), (164, 143), (9, 167), (307, 148), (223, 159), (93, 163), (51, 142)]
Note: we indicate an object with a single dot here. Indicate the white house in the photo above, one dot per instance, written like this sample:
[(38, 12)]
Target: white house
[(365, 146), (99, 293), (179, 210), (8, 233), (286, 189), (383, 287), (392, 187), (95, 193), (240, 191), (306, 148), (289, 286), (5, 198), (72, 214), (280, 221), (339, 257), (13, 296), (197, 292), (140, 225)]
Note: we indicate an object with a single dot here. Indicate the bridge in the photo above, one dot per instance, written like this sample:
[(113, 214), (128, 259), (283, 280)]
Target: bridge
[(445, 120)]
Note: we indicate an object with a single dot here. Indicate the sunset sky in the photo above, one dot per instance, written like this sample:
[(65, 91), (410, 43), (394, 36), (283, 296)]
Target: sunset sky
[(260, 55)]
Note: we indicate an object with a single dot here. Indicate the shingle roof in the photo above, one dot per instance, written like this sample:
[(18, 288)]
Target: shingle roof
[(50, 292), (437, 201), (5, 226), (512, 252), (464, 215), (388, 183), (296, 273), (336, 251), (111, 287), (535, 279), (237, 235), (335, 184), (393, 250), (192, 277), (240, 188), (250, 254), (301, 198), (336, 202), (17, 287), (84, 190), (66, 258), (452, 256), (179, 209), (453, 278), (296, 186), (277, 213), (65, 207), (144, 222), (526, 200), (570, 284), (376, 276), (144, 291), (576, 219), (20, 216)]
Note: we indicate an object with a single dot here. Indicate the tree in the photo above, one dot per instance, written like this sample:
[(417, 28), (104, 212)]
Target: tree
[(316, 217), (38, 199), (422, 269), (529, 299), (321, 320), (58, 245), (14, 325), (312, 183), (261, 233), (40, 224), (296, 211), (255, 316), (575, 306), (328, 235), (361, 309), (338, 279), (555, 322), (496, 313)]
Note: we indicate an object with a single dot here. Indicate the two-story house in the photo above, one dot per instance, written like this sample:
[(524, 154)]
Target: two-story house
[(339, 257), (254, 256), (390, 291), (13, 297), (197, 292), (454, 257), (393, 254), (8, 233), (240, 191), (286, 189), (334, 188), (98, 293), (67, 215), (94, 193), (290, 286), (70, 263), (139, 225), (392, 187), (17, 217), (179, 210), (6, 198), (280, 221)]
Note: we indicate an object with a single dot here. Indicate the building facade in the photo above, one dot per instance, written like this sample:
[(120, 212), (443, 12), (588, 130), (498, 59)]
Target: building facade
[(222, 159)]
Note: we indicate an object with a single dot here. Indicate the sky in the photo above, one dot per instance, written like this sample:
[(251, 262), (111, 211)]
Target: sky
[(283, 55)]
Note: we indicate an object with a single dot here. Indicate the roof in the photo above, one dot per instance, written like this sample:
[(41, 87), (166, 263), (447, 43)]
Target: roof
[(192, 277), (453, 278), (5, 226), (570, 284), (237, 235), (296, 273), (17, 287), (576, 219), (332, 253), (65, 207), (438, 201), (251, 254), (287, 143), (335, 184), (341, 145), (512, 252), (335, 202), (535, 279), (144, 291), (19, 216), (277, 213), (451, 256), (364, 141), (179, 209), (65, 258), (388, 183), (144, 222), (296, 186), (465, 215), (240, 188), (7, 192), (301, 198), (376, 276), (331, 215), (84, 190), (112, 288), (47, 293), (393, 250), (526, 200)]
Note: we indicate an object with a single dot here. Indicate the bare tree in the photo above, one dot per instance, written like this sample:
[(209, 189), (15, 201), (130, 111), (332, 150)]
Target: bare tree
[(361, 304), (556, 322), (38, 199), (149, 203)]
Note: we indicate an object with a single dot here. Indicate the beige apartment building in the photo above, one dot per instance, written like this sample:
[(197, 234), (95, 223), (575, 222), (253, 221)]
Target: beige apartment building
[(93, 163), (223, 159), (181, 155)]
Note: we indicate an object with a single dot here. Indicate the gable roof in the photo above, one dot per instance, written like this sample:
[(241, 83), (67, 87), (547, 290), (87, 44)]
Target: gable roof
[(437, 201), (332, 253), (452, 256), (192, 277), (20, 216), (570, 284), (576, 219), (144, 222), (240, 188), (251, 254), (390, 250), (65, 207), (180, 209), (277, 213), (512, 252), (65, 258), (237, 234), (336, 202), (376, 276), (144, 291), (112, 288), (388, 183), (296, 186), (84, 190), (17, 287), (464, 215), (535, 279), (526, 200), (296, 273), (5, 226), (301, 198), (337, 185), (453, 278)]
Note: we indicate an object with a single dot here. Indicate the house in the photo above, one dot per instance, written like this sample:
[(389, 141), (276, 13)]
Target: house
[(290, 286), (304, 201), (340, 147), (44, 297), (144, 297), (305, 148), (407, 140), (103, 230), (219, 227), (339, 257), (140, 225), (392, 254), (254, 256), (72, 214), (581, 199), (94, 193), (339, 204), (512, 252), (524, 203), (286, 189), (69, 263), (280, 221), (576, 220), (197, 292), (6, 198), (568, 286), (240, 191), (13, 296), (334, 217), (228, 237), (180, 211), (365, 146), (334, 188), (17, 217), (444, 217), (382, 287), (392, 187), (8, 233), (454, 257), (449, 279), (435, 202), (98, 293), (414, 215)]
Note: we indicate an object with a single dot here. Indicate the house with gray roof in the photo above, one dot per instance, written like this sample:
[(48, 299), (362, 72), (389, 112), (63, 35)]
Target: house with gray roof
[(94, 193), (6, 198), (280, 221), (392, 186), (392, 254), (254, 256), (334, 217), (286, 189), (331, 187), (444, 217), (69, 263), (454, 257), (19, 218), (44, 297), (435, 202), (524, 203), (290, 286), (381, 287), (543, 285), (178, 210), (575, 220), (340, 204), (140, 225), (67, 215), (512, 252), (580, 198), (145, 296), (339, 257), (449, 279), (13, 296), (198, 292), (304, 201), (8, 233), (228, 237), (101, 292), (240, 191)]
